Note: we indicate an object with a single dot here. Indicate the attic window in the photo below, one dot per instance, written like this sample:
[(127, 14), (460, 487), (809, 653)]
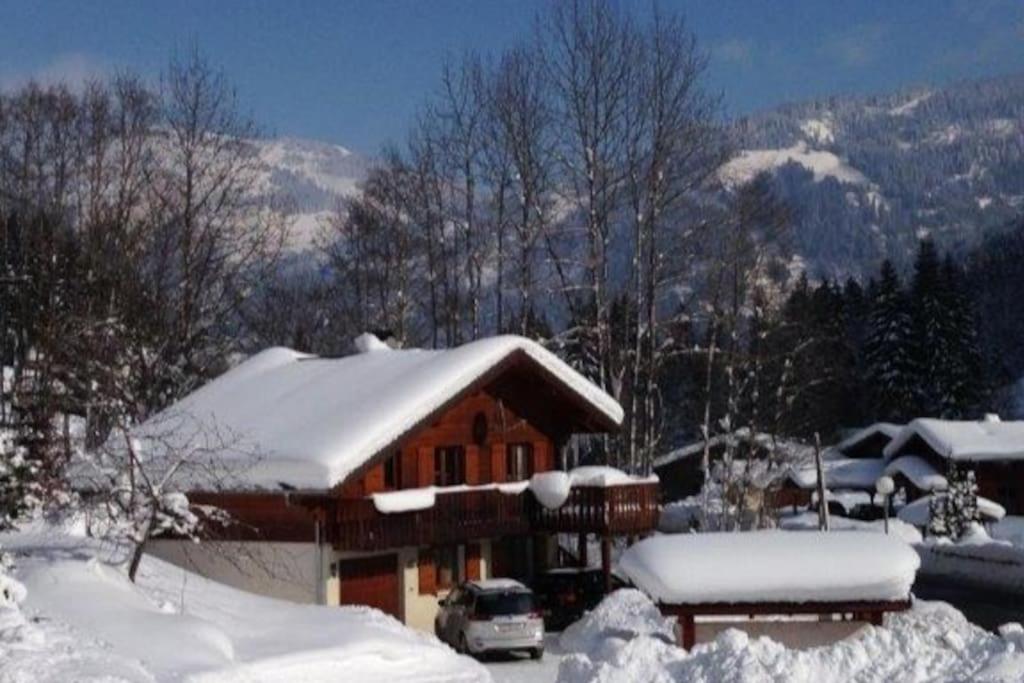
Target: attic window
[(393, 471)]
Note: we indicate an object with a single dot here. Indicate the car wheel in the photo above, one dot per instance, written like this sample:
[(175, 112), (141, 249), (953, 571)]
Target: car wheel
[(537, 653)]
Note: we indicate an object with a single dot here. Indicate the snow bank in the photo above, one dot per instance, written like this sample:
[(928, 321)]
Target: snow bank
[(931, 643), (285, 416), (624, 614), (771, 566), (971, 441), (808, 521), (174, 625)]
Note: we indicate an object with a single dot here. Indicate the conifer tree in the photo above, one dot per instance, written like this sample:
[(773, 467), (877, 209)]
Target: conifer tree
[(889, 360)]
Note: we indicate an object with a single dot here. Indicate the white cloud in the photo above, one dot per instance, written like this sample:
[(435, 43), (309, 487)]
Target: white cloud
[(859, 46), (735, 51), (72, 69)]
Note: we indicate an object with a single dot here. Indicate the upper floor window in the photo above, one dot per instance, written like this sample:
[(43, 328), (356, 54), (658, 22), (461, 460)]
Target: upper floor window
[(393, 471), (449, 465), (519, 461)]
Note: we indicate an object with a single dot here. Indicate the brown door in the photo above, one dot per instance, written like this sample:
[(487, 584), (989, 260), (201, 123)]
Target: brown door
[(371, 581)]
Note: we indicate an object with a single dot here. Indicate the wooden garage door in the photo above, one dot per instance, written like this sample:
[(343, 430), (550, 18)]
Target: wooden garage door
[(371, 581)]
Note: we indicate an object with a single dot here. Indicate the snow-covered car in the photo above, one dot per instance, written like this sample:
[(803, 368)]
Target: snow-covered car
[(489, 616)]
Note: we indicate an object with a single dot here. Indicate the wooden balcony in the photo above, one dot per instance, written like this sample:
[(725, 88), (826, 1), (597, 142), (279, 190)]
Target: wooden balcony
[(456, 517), (631, 509)]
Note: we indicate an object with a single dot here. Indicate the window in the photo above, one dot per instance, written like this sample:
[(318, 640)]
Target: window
[(393, 472), (449, 466), (446, 563), (519, 461)]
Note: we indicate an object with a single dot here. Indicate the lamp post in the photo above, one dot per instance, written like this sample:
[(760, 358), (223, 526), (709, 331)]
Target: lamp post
[(885, 486)]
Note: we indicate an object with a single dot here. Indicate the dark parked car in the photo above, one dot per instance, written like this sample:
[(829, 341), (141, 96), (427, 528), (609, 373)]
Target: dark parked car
[(564, 595)]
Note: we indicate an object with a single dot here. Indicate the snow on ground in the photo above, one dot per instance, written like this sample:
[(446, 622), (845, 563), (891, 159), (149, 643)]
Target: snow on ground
[(797, 567), (808, 521), (823, 164), (931, 643), (173, 625)]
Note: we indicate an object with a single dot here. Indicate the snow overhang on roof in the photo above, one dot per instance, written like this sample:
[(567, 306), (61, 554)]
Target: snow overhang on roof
[(291, 419), (969, 441)]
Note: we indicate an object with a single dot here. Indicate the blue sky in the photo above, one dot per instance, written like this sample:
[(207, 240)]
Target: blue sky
[(354, 73)]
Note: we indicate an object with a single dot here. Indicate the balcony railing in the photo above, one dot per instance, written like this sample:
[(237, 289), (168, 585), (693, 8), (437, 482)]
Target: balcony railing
[(605, 511), (466, 515)]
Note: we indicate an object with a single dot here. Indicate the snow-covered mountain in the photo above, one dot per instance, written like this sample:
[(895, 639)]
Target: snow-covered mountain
[(311, 176), (867, 176)]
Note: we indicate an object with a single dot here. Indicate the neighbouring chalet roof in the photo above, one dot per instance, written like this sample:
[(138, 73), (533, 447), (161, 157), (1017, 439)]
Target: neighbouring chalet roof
[(970, 441), (788, 449), (918, 472), (873, 436), (309, 422)]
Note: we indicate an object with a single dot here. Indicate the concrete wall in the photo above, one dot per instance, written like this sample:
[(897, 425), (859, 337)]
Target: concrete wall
[(279, 570), (289, 571)]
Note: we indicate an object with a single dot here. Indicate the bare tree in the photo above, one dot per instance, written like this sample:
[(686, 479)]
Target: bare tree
[(211, 240)]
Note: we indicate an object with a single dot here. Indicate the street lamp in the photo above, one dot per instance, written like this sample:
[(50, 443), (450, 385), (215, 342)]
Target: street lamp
[(885, 486)]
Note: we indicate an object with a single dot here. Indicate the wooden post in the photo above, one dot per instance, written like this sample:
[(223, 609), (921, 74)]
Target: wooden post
[(823, 521), (606, 563), (687, 631), (581, 550)]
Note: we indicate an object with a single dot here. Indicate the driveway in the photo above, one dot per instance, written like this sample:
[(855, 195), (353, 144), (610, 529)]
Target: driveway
[(518, 668)]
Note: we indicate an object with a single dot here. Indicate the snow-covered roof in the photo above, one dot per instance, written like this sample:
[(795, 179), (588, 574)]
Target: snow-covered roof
[(887, 430), (989, 439), (919, 472), (310, 422), (919, 512), (771, 566)]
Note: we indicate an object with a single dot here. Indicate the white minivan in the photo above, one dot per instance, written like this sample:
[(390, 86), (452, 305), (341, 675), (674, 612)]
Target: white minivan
[(494, 615)]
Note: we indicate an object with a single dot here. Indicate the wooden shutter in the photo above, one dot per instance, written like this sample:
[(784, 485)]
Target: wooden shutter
[(542, 460), (473, 562), (473, 465), (498, 462), (426, 466), (428, 574)]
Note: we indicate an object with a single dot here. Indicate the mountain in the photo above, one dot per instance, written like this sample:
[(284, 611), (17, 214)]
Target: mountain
[(868, 176), (311, 177)]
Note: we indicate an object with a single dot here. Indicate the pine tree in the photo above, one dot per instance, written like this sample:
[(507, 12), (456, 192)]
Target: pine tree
[(931, 337), (963, 367), (888, 350)]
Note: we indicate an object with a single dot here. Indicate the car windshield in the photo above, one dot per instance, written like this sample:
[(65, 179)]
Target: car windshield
[(501, 604)]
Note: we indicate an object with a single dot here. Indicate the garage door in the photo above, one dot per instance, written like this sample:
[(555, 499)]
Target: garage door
[(371, 581)]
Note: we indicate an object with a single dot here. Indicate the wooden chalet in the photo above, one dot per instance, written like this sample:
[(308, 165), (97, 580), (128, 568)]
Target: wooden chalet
[(919, 456), (386, 477)]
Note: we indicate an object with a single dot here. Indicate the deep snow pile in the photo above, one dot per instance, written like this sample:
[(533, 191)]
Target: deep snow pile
[(173, 625), (932, 643), (770, 566)]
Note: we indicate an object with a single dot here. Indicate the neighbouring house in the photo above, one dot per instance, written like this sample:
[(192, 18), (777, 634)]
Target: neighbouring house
[(921, 452), (385, 477), (869, 442)]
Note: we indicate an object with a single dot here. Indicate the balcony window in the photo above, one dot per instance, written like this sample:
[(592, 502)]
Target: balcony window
[(449, 466), (519, 461)]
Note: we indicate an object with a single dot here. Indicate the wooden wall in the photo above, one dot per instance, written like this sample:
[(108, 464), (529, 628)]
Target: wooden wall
[(485, 463)]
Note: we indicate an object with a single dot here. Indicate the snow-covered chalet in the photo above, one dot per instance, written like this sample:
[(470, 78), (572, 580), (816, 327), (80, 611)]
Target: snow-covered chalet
[(385, 477)]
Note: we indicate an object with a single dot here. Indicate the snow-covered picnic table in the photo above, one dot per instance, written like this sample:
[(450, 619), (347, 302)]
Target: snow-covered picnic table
[(773, 572)]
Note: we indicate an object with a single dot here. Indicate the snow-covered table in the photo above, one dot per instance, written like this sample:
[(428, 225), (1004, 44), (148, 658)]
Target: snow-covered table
[(773, 572)]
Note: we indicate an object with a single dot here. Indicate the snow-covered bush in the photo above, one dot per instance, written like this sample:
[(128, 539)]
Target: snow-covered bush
[(955, 512), (19, 488)]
